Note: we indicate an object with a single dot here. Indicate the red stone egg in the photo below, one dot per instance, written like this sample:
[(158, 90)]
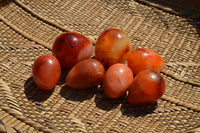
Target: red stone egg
[(146, 88), (117, 80), (145, 59), (112, 46), (86, 74), (70, 48), (46, 72)]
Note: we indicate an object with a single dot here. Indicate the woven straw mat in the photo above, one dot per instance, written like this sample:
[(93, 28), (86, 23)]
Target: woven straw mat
[(28, 29)]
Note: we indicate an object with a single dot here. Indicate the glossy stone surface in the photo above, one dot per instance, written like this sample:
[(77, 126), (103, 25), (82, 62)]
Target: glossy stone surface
[(86, 74), (112, 46), (71, 48), (117, 80), (46, 72), (145, 59), (146, 88)]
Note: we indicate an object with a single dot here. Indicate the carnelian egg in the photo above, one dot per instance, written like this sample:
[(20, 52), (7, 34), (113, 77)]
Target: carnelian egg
[(112, 46), (117, 80), (146, 88), (145, 59), (46, 72), (71, 48), (86, 74)]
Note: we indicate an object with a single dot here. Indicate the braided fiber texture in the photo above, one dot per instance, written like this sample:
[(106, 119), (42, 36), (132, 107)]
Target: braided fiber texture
[(28, 29)]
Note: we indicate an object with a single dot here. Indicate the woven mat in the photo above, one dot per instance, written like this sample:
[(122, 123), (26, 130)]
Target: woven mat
[(28, 29)]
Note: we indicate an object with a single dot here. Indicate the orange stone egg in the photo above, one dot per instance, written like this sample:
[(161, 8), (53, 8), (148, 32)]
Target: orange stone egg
[(146, 88), (86, 74), (112, 46), (117, 80), (46, 72), (145, 59)]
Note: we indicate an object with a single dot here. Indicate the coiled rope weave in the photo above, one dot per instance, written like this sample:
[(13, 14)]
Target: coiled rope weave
[(28, 30)]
